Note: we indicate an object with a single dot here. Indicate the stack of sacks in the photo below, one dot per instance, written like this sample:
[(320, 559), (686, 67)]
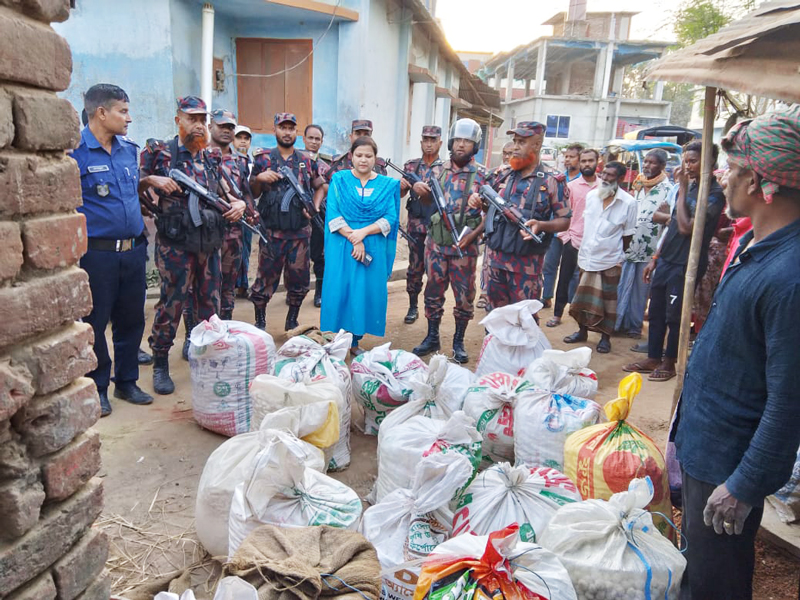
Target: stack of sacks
[(224, 359), (492, 401), (380, 382), (406, 524), (474, 567), (603, 459), (233, 462), (301, 359), (402, 446), (514, 339), (612, 550), (564, 372), (503, 495), (787, 499)]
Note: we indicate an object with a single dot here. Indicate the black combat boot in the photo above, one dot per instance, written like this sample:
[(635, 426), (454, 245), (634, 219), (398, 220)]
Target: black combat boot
[(105, 405), (188, 325), (261, 317), (459, 351), (291, 318), (431, 342), (226, 314), (318, 293), (413, 312), (143, 358), (162, 382)]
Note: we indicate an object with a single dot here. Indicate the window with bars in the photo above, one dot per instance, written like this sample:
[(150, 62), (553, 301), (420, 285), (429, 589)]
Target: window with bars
[(557, 126)]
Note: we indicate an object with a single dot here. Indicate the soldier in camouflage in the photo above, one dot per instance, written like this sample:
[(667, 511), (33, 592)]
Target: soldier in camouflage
[(359, 128), (515, 261), (419, 213), (187, 257), (461, 178), (313, 136), (287, 223)]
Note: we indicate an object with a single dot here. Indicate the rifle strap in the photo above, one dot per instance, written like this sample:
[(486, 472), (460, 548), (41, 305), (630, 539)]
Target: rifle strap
[(173, 152), (465, 196)]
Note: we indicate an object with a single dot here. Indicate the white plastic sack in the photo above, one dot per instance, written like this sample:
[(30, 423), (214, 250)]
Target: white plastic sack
[(230, 464), (542, 424), (280, 489), (302, 358), (564, 372), (381, 382), (787, 499), (611, 548), (503, 495), (503, 561), (492, 401), (229, 588), (403, 446), (436, 394), (224, 358), (513, 341), (187, 595)]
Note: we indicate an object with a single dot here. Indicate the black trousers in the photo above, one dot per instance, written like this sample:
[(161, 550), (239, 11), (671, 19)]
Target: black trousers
[(719, 566), (318, 250), (666, 300), (118, 284), (569, 264)]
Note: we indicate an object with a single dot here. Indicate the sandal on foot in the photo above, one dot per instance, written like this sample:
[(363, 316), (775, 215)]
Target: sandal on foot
[(547, 303), (481, 302), (576, 338), (554, 322), (636, 368), (661, 375), (604, 346), (355, 351)]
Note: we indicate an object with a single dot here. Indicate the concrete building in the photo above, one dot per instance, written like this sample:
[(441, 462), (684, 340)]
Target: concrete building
[(573, 81), (328, 62)]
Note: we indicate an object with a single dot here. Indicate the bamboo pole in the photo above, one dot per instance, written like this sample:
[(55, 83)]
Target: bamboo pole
[(709, 114)]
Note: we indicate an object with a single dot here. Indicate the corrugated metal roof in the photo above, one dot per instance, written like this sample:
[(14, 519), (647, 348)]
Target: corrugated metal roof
[(758, 54)]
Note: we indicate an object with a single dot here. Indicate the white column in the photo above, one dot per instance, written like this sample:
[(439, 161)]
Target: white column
[(658, 92), (541, 60), (599, 73), (566, 77), (207, 54), (510, 81), (619, 77), (607, 69)]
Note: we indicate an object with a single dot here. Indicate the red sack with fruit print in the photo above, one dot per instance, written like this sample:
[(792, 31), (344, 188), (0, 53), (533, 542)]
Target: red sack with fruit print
[(603, 459)]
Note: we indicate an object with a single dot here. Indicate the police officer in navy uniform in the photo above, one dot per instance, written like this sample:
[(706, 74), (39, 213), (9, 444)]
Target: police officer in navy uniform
[(117, 248)]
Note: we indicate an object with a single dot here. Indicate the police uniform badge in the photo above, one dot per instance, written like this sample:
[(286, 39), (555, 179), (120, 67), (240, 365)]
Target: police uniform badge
[(102, 190)]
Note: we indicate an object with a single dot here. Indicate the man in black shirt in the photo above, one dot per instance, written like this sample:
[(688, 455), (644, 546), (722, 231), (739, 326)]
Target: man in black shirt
[(667, 269)]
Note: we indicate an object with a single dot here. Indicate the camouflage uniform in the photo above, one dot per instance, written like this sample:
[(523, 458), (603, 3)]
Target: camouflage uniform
[(497, 179), (180, 270), (443, 267), (417, 226), (288, 252), (317, 247)]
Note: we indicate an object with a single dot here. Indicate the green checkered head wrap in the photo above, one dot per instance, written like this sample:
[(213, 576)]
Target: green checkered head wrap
[(770, 146)]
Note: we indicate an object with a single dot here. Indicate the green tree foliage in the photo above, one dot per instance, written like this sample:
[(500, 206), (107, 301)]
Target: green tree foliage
[(697, 20)]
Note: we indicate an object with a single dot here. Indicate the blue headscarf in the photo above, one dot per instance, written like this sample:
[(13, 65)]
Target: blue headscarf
[(358, 208)]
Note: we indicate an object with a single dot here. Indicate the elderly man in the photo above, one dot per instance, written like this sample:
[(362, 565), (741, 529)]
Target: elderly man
[(609, 223), (738, 422)]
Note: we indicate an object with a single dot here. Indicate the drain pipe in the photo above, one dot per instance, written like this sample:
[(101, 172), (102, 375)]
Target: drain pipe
[(207, 54)]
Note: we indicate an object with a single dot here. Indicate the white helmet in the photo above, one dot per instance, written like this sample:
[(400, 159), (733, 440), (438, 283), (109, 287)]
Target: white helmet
[(465, 129)]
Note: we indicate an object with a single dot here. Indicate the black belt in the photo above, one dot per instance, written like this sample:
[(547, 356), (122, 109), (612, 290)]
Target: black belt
[(116, 245)]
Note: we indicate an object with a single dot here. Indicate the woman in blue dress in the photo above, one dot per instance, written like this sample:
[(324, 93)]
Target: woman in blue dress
[(360, 241)]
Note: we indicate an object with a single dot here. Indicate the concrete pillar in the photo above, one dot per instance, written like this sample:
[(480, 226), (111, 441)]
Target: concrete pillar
[(528, 87), (619, 77), (498, 79), (607, 69), (658, 92), (510, 81), (566, 79), (599, 73), (541, 61), (207, 54)]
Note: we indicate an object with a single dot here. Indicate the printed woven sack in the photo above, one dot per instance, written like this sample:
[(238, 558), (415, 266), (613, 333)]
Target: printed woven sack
[(513, 341)]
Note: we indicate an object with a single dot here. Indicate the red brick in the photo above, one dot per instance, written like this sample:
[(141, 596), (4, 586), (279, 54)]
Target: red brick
[(6, 120), (99, 590), (48, 423), (43, 121), (43, 10), (20, 503), (14, 461), (69, 469), (43, 304), (31, 184), (11, 256), (33, 53), (55, 360), (79, 568), (54, 242), (61, 525), (41, 588), (16, 387)]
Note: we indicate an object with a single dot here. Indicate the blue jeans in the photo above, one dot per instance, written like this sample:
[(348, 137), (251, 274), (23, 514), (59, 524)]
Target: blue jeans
[(551, 260), (632, 295)]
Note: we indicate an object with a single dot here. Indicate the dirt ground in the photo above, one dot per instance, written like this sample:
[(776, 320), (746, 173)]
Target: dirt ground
[(153, 456)]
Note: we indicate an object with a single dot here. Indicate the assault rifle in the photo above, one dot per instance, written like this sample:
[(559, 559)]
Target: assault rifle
[(302, 195), (411, 178), (510, 213), (197, 193), (405, 235), (446, 217)]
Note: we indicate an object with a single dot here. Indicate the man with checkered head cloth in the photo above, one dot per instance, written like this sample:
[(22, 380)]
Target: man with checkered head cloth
[(738, 423)]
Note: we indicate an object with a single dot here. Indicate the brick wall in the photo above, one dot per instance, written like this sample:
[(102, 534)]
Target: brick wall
[(49, 456)]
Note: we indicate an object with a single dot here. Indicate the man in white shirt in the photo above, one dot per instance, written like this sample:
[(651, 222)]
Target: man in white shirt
[(609, 224)]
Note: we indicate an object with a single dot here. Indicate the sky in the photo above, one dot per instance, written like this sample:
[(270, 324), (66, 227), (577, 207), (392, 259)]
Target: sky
[(484, 26)]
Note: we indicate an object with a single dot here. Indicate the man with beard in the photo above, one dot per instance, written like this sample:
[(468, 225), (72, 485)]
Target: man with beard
[(419, 213), (313, 135), (515, 261), (609, 224), (652, 190), (187, 257), (570, 240), (738, 422), (289, 230), (461, 178), (666, 271)]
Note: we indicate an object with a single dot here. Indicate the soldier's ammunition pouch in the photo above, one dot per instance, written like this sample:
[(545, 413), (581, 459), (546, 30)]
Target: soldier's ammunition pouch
[(439, 233), (280, 210), (176, 228), (505, 237)]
